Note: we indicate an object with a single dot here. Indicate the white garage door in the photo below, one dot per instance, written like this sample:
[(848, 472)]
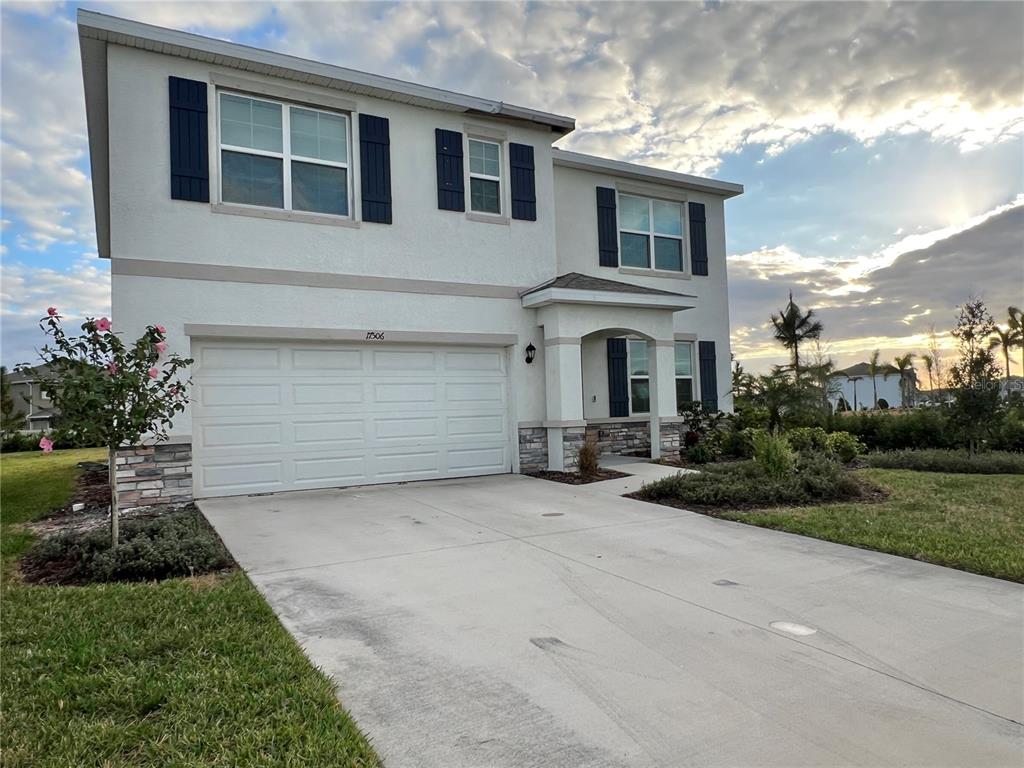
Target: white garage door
[(289, 416)]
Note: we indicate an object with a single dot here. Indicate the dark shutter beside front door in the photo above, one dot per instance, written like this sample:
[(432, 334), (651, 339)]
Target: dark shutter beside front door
[(618, 379), (375, 168), (190, 159), (698, 239), (607, 226), (451, 194), (708, 375), (524, 193)]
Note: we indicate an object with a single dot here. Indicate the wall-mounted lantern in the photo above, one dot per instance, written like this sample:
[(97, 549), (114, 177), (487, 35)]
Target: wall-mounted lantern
[(531, 352)]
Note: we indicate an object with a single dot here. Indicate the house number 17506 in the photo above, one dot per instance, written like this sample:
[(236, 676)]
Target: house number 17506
[(375, 335)]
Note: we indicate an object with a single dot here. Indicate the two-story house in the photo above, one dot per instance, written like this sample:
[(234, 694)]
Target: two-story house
[(380, 281)]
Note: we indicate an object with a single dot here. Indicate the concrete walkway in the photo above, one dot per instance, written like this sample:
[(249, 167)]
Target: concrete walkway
[(640, 471), (510, 621)]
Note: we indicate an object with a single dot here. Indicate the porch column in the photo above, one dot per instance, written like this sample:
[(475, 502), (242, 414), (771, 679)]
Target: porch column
[(563, 379), (661, 357)]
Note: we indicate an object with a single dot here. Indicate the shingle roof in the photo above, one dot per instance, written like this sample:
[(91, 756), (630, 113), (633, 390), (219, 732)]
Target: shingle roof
[(578, 282)]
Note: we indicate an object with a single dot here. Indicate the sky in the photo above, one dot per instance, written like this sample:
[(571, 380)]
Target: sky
[(881, 145)]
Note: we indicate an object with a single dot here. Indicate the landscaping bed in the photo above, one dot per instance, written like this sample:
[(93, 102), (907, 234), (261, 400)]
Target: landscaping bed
[(190, 671), (579, 478)]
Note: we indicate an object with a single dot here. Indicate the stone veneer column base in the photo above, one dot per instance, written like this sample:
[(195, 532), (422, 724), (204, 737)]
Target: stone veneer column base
[(671, 438), (153, 476), (572, 440), (533, 449), (622, 438)]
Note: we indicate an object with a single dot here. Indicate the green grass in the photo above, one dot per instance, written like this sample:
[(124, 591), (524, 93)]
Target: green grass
[(184, 672), (31, 484), (971, 522)]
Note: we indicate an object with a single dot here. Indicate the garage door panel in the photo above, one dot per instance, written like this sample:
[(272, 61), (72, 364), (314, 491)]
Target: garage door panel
[(330, 471), (327, 362), (484, 425), (234, 395), (333, 431), (242, 477), (309, 415), (244, 435), (231, 359)]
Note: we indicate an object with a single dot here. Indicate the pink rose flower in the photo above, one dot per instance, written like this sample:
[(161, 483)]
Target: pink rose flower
[(161, 347), (161, 330), (153, 373), (103, 324), (173, 390), (51, 311), (112, 369), (46, 444)]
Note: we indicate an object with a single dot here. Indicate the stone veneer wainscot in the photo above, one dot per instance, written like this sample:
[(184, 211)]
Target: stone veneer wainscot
[(152, 476)]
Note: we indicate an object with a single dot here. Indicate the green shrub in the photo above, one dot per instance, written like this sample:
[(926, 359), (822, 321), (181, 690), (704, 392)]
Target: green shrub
[(807, 439), (703, 452), (886, 431), (843, 446), (814, 477), (29, 441), (1009, 436), (960, 462), (773, 454), (736, 444), (172, 544)]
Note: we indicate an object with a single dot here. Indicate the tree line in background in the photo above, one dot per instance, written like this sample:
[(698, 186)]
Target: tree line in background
[(970, 396)]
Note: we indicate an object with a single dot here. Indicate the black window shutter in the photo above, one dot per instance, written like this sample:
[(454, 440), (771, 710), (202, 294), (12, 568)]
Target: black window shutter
[(698, 239), (375, 168), (190, 160), (451, 194), (708, 375), (524, 193), (618, 379), (607, 234)]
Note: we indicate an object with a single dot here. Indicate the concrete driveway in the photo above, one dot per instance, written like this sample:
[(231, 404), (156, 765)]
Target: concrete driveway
[(509, 621)]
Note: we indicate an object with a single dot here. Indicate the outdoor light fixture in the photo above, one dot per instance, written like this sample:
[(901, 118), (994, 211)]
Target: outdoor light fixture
[(531, 352)]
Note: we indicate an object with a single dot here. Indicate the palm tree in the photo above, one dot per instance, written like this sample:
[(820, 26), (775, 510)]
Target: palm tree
[(929, 365), (905, 365), (793, 327), (873, 368), (1012, 337)]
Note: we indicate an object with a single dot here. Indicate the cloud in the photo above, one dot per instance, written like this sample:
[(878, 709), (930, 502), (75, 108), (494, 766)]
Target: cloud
[(891, 306), (25, 293)]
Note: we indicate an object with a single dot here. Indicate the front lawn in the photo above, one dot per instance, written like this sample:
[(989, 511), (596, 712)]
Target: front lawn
[(971, 522), (189, 672)]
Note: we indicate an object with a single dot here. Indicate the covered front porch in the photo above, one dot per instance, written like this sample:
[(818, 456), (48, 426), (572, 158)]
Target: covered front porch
[(610, 371)]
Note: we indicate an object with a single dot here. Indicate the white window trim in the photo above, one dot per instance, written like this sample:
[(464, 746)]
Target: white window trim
[(286, 157), (630, 377), (684, 244), (693, 373), (501, 217)]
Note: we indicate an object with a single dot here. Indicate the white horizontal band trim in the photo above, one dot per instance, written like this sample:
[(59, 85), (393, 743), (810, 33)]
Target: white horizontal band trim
[(258, 332), (645, 419), (484, 131), (564, 424), (665, 343), (180, 270), (562, 340), (607, 298), (283, 215), (666, 273), (685, 336), (300, 95)]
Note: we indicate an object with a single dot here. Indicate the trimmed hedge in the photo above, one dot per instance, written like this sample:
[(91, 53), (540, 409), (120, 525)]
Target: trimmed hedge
[(173, 544), (924, 428), (745, 484), (958, 462)]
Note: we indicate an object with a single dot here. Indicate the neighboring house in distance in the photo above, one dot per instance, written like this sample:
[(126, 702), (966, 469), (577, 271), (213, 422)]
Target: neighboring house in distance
[(381, 281), (28, 397), (853, 385)]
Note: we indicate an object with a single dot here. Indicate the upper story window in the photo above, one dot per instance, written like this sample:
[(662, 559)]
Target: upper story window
[(650, 227), (484, 176), (278, 155)]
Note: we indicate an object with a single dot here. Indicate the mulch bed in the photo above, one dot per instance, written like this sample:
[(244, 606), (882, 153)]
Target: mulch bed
[(575, 478), (870, 494)]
